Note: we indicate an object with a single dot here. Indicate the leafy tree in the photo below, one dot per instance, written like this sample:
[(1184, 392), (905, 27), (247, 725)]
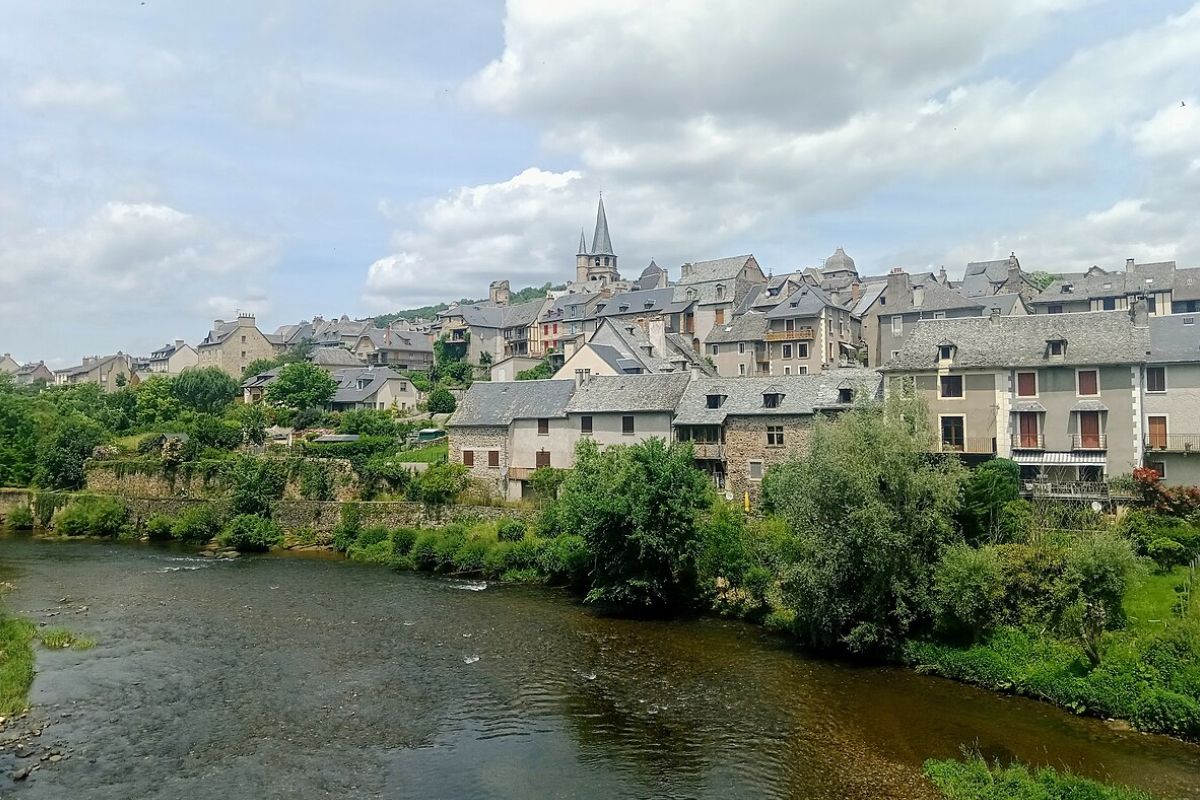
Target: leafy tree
[(301, 385), (258, 366), (636, 507), (871, 512), (255, 484), (1099, 569), (988, 488), (541, 371), (1041, 280), (207, 390), (155, 401), (546, 481), (18, 435), (253, 421), (441, 483), (969, 586), (61, 453), (368, 422), (248, 533), (441, 401)]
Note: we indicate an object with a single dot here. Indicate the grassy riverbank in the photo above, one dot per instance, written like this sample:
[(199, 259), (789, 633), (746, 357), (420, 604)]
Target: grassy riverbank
[(975, 779), (16, 664)]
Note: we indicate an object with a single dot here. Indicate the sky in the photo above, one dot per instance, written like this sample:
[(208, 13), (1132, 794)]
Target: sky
[(164, 164)]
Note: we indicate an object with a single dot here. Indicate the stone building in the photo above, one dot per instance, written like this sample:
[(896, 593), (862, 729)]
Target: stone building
[(174, 358), (231, 346), (111, 373), (716, 288), (890, 309)]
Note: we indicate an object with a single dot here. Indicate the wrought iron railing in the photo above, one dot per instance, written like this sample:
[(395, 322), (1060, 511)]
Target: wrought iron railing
[(1089, 441), (1174, 442), (1028, 441)]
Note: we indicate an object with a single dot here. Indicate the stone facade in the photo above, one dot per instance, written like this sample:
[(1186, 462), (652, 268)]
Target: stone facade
[(232, 346), (137, 480), (746, 443), (480, 441)]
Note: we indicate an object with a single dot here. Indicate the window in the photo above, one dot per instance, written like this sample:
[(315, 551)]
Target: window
[(755, 470), (541, 459), (1087, 383), (741, 348), (772, 399), (950, 386), (1058, 347), (1152, 304), (801, 370), (845, 395), (741, 369), (1156, 430), (493, 458), (952, 433), (939, 315), (787, 370), (243, 340), (946, 352), (802, 350), (585, 425), (243, 354), (897, 325), (1026, 384), (1156, 379), (1158, 466), (1055, 309), (543, 427), (720, 292), (1108, 304), (719, 316), (627, 425), (715, 400), (787, 351), (468, 458), (774, 436), (789, 325), (716, 351), (895, 354)]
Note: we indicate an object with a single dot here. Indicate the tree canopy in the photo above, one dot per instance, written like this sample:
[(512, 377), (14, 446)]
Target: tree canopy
[(301, 385)]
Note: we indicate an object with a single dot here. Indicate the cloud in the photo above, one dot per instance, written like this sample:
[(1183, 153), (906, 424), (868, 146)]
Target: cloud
[(123, 261), (725, 121), (80, 95)]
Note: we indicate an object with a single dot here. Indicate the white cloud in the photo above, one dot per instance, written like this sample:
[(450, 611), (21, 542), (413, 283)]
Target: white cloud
[(80, 95)]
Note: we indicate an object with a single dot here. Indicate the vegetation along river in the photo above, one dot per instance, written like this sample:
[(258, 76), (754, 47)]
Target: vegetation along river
[(308, 677)]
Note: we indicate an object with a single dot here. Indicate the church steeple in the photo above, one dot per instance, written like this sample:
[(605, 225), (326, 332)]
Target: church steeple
[(601, 241), (582, 244)]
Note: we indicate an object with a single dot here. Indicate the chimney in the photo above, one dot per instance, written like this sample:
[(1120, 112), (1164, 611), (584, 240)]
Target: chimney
[(218, 323), (1128, 264), (898, 285), (855, 292), (387, 335), (179, 344), (1139, 313), (658, 336), (942, 276), (686, 270), (579, 377), (995, 316)]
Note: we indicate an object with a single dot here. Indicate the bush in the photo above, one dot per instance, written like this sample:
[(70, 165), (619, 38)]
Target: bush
[(969, 585), (348, 527), (20, 518), (248, 533), (441, 401), (424, 550), (315, 482), (974, 779), (255, 484), (403, 540), (472, 554), (372, 535), (565, 560), (1166, 553), (159, 527), (441, 483), (197, 524), (1016, 521), (90, 515), (510, 530), (373, 546), (988, 489)]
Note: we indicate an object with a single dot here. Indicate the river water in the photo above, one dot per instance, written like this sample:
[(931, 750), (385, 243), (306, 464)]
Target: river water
[(310, 677)]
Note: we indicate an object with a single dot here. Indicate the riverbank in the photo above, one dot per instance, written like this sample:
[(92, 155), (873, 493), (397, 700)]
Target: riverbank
[(330, 676)]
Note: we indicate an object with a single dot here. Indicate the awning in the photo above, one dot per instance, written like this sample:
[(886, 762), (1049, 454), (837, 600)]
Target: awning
[(847, 348), (1047, 459), (1028, 405), (1090, 405)]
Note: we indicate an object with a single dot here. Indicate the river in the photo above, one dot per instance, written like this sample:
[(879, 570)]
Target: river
[(291, 676)]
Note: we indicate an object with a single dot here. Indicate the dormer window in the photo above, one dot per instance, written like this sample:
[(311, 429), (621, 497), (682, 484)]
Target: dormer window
[(1067, 288), (720, 292), (946, 352), (624, 307), (649, 304), (1057, 347), (714, 400), (845, 395), (772, 399)]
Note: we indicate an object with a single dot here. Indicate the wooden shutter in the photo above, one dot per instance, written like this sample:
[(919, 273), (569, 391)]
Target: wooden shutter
[(1158, 432), (541, 459), (468, 458), (493, 458), (1088, 383), (1026, 384)]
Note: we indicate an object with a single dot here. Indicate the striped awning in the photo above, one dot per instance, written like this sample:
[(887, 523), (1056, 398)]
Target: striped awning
[(1051, 458)]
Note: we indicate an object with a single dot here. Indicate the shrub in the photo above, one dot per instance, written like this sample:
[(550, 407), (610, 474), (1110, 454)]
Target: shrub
[(445, 550), (372, 535), (1016, 521), (565, 560), (255, 484), (403, 540), (510, 530), (968, 589), (98, 516), (315, 482), (248, 533), (441, 401), (472, 554), (441, 483), (348, 527), (373, 546), (987, 490), (20, 518), (197, 524), (974, 779), (159, 527), (1166, 553), (424, 550)]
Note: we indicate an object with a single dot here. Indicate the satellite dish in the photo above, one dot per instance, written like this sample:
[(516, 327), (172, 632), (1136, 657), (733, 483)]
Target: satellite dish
[(1096, 506), (729, 496)]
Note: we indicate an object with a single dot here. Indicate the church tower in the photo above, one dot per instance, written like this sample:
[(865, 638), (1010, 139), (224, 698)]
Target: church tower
[(581, 260), (600, 260)]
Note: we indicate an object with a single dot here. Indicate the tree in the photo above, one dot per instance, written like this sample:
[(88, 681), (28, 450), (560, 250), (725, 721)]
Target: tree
[(1041, 280), (258, 366), (301, 385), (61, 453), (636, 507), (441, 483), (541, 371), (988, 488), (871, 511), (253, 421), (485, 359), (441, 401), (155, 401), (207, 390), (1099, 569)]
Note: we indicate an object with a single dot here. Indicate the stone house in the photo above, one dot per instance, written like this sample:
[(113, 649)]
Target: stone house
[(741, 427), (632, 347), (716, 288), (110, 372), (1171, 399), (398, 349), (891, 309), (498, 330), (231, 346), (624, 409), (1059, 394), (33, 372), (1097, 289), (358, 387), (983, 279), (173, 358), (9, 365)]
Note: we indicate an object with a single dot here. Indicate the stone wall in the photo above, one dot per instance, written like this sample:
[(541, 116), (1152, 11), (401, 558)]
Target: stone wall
[(13, 498), (481, 439), (746, 441), (138, 479)]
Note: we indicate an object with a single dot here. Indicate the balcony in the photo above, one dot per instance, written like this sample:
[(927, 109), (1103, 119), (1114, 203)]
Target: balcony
[(1065, 490), (520, 473), (708, 452), (1173, 443), (1089, 441), (981, 446), (790, 336), (1028, 441)]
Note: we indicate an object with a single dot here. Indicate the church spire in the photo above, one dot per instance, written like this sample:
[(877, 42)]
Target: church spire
[(601, 242), (583, 251)]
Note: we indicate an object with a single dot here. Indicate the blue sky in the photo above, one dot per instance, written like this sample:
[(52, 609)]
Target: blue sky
[(166, 163)]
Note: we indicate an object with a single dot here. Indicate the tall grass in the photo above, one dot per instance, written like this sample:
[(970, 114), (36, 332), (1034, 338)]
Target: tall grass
[(16, 664), (975, 779)]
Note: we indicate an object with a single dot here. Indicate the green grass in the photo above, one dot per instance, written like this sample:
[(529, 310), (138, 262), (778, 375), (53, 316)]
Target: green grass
[(16, 664), (974, 779), (1149, 603), (61, 638), (130, 443), (433, 454)]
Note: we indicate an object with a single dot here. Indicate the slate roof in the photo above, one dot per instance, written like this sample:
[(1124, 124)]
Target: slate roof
[(622, 345), (219, 334), (559, 309), (807, 301), (1093, 337), (802, 394), (650, 276), (748, 327), (81, 369), (348, 390), (602, 394), (645, 301), (1005, 302), (983, 278), (499, 403), (718, 269), (165, 352), (936, 297), (1174, 338), (487, 316), (1186, 285), (333, 357), (1095, 283), (401, 340), (870, 293)]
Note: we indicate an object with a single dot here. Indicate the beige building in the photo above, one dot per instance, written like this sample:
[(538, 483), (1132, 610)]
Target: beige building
[(174, 358), (33, 372), (715, 289), (632, 347), (1171, 399), (890, 309), (231, 346), (9, 365), (1165, 288), (401, 350), (358, 388), (111, 373), (1058, 394)]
